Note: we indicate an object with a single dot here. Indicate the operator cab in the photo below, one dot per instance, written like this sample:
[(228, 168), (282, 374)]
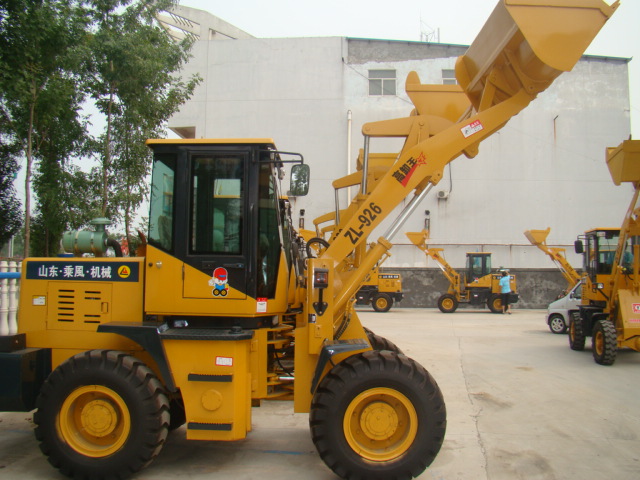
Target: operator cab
[(478, 265), (599, 247), (216, 206)]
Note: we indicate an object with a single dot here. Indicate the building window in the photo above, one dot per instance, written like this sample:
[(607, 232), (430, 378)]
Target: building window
[(449, 77), (382, 82)]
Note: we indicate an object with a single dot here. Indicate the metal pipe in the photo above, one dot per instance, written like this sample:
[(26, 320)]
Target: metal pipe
[(349, 124), (365, 165), (337, 207), (406, 212)]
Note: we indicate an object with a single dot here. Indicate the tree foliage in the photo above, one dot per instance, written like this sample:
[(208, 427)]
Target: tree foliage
[(37, 38), (57, 55), (10, 207), (132, 79)]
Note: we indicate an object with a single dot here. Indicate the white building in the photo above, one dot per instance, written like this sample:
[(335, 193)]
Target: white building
[(545, 168)]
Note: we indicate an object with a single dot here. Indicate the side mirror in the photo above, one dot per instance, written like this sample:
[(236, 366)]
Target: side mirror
[(300, 175), (578, 246)]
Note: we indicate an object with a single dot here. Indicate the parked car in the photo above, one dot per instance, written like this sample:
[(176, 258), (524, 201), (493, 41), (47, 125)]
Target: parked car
[(559, 312)]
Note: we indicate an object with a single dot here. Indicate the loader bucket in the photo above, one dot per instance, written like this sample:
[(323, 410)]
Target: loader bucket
[(537, 237), (447, 101), (624, 162), (419, 239), (531, 42)]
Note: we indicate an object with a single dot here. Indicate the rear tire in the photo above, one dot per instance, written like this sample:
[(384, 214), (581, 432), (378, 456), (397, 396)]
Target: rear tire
[(378, 415), (604, 342), (557, 324), (101, 414), (576, 332), (447, 303), (382, 302), (381, 343)]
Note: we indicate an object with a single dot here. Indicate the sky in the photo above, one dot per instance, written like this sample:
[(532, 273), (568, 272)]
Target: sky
[(454, 21)]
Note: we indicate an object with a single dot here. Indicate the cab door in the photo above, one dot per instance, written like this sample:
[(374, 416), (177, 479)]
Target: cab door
[(215, 253)]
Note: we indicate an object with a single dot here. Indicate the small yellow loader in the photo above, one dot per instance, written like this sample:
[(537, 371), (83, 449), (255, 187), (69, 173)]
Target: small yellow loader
[(476, 285)]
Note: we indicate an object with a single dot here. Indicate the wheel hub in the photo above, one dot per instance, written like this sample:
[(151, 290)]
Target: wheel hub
[(99, 418), (379, 421)]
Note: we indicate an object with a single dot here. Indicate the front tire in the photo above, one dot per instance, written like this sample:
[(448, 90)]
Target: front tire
[(378, 415), (576, 332), (381, 343), (557, 324), (382, 302), (447, 303), (101, 414), (495, 303), (604, 342)]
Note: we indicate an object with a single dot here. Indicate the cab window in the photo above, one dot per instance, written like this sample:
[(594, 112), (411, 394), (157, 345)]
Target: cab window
[(217, 204)]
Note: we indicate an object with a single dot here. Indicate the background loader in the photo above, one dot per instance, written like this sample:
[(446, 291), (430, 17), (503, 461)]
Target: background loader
[(476, 285), (610, 308), (223, 309)]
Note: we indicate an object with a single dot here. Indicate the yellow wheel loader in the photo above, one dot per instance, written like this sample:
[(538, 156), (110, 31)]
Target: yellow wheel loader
[(610, 308), (223, 309), (476, 285), (380, 290)]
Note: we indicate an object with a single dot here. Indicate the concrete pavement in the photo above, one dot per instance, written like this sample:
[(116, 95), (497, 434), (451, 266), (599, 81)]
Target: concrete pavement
[(520, 405)]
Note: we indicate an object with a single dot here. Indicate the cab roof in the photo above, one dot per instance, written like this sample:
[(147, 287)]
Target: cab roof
[(210, 141)]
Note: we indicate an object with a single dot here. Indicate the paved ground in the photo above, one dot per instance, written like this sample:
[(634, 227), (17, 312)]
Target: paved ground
[(521, 405)]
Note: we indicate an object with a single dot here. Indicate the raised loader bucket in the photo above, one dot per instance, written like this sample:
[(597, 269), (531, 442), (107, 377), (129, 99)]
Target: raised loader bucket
[(537, 237), (624, 162), (530, 43), (419, 239)]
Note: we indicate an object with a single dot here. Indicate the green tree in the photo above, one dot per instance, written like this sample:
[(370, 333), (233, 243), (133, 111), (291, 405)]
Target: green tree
[(10, 207), (134, 81), (38, 39), (60, 136)]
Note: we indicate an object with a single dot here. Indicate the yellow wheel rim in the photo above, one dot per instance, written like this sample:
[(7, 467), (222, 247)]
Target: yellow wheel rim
[(598, 342), (94, 421), (447, 303), (381, 303), (380, 424)]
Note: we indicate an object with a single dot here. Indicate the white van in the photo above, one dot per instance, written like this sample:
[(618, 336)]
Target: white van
[(558, 312)]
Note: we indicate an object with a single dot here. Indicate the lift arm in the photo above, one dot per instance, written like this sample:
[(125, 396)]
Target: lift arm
[(419, 239), (523, 47), (538, 238)]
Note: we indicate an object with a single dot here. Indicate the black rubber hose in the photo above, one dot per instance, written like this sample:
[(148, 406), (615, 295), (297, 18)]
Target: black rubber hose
[(113, 243)]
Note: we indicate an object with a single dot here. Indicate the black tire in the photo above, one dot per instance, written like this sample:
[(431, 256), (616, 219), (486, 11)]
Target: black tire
[(494, 303), (395, 417), (557, 324), (447, 303), (381, 343), (101, 414), (604, 342), (381, 302), (576, 332)]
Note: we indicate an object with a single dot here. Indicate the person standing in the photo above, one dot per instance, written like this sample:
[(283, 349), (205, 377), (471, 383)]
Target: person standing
[(505, 290)]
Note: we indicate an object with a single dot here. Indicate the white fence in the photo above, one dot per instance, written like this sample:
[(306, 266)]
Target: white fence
[(9, 292)]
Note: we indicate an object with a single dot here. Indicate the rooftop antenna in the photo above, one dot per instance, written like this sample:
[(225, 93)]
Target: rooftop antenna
[(428, 34)]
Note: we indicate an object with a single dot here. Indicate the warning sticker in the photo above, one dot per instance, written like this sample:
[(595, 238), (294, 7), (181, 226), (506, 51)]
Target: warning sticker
[(472, 128), (635, 307), (224, 361), (261, 305)]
